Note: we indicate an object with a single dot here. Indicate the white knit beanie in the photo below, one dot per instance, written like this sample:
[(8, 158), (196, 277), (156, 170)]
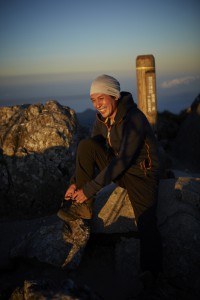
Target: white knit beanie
[(106, 84)]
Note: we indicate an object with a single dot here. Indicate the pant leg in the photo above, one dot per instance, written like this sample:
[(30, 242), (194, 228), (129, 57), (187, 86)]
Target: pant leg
[(151, 252), (142, 193), (91, 155)]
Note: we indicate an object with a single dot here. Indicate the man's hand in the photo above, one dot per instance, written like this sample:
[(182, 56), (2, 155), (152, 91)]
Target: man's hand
[(70, 192), (79, 196)]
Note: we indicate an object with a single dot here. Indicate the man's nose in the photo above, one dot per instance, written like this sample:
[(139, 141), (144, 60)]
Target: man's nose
[(98, 103)]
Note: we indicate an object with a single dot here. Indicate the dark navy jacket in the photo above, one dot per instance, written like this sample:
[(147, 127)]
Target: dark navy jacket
[(132, 141)]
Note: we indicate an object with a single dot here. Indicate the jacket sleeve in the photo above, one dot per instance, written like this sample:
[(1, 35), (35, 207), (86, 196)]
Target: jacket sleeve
[(132, 140)]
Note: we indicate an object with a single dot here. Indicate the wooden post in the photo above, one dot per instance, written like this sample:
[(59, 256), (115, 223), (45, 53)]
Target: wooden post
[(146, 87)]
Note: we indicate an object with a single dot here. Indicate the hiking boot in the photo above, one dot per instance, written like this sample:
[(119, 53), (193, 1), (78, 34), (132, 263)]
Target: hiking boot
[(76, 211)]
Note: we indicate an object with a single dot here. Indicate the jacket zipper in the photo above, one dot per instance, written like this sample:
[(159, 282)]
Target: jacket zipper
[(109, 128)]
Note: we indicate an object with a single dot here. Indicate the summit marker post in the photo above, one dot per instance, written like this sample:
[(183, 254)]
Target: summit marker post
[(146, 87)]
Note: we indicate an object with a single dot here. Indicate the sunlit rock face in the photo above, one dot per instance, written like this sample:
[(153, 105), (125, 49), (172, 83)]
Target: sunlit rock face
[(37, 144), (58, 244), (51, 289)]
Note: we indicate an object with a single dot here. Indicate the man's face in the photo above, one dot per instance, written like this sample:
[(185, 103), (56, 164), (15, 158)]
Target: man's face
[(105, 104)]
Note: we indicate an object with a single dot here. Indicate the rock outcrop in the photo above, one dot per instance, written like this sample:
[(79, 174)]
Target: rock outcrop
[(48, 289), (187, 143), (37, 145), (113, 212), (58, 244), (179, 224), (179, 135)]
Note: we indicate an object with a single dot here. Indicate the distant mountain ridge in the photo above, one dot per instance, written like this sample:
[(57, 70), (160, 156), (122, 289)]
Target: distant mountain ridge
[(87, 117)]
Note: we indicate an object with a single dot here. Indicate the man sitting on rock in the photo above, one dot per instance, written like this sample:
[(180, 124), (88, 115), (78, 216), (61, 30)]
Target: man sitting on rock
[(124, 150)]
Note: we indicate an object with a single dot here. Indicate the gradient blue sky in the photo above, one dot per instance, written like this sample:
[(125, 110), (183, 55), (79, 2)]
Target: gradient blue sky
[(54, 49)]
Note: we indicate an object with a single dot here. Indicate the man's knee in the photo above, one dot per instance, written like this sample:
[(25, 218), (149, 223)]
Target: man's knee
[(89, 144), (84, 144)]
